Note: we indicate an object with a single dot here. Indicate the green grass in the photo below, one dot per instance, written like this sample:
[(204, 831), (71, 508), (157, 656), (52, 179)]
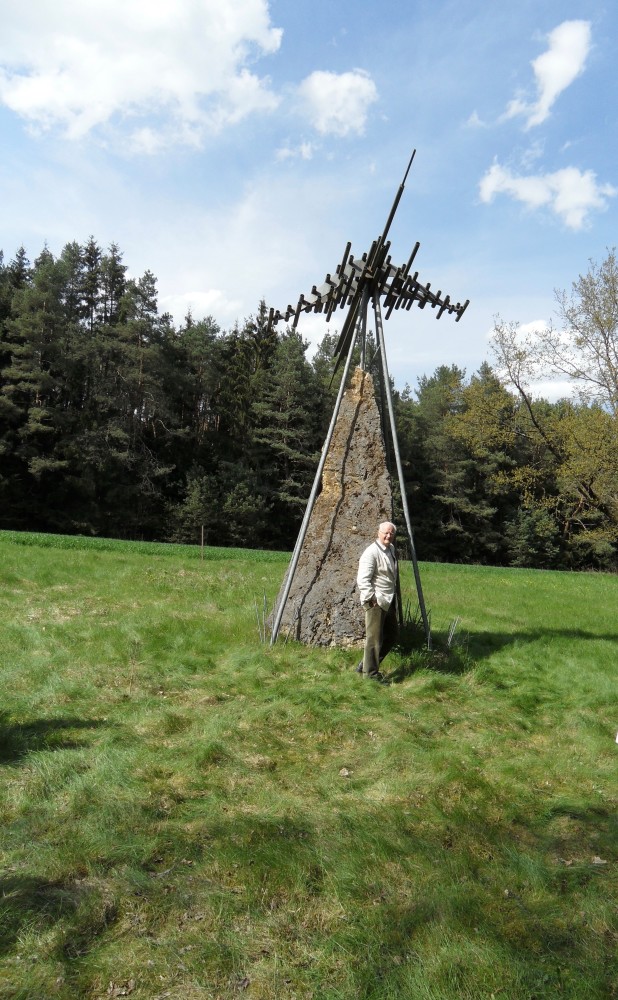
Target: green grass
[(188, 813)]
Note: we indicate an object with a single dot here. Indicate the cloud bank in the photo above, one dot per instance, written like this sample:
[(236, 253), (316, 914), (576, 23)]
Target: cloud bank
[(76, 65), (156, 74)]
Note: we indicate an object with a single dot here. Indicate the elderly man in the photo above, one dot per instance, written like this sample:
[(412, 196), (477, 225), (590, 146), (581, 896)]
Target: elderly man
[(377, 582)]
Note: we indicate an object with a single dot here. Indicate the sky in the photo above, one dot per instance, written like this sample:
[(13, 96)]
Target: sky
[(233, 147)]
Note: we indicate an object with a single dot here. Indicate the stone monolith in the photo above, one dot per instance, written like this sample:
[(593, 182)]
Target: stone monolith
[(323, 606)]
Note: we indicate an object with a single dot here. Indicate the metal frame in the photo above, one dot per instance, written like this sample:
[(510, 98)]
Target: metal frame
[(360, 327), (355, 283)]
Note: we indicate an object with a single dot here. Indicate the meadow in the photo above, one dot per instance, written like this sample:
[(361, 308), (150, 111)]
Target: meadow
[(190, 813)]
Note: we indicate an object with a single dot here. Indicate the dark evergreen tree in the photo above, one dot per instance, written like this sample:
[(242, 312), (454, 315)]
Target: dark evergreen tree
[(483, 433), (32, 384), (457, 499), (13, 405), (91, 291), (287, 434), (133, 413)]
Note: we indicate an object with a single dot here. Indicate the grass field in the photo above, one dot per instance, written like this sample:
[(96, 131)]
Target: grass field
[(188, 813)]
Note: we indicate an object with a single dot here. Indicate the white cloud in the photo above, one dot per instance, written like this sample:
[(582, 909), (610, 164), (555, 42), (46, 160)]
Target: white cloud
[(304, 151), (77, 65), (532, 328), (570, 193), (200, 304), (554, 71), (338, 103), (532, 154), (228, 277), (553, 389), (524, 330), (475, 121)]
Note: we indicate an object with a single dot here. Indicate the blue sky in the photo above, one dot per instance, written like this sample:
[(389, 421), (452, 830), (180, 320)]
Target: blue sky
[(233, 147)]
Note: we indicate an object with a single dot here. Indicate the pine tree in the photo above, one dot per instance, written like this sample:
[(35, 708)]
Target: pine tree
[(287, 433), (456, 501), (13, 406)]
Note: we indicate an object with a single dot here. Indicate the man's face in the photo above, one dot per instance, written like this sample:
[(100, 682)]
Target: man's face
[(386, 535)]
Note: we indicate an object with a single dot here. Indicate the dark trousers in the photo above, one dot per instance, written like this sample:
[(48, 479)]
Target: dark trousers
[(381, 631)]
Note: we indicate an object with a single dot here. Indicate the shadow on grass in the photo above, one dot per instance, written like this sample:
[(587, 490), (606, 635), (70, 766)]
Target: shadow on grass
[(28, 902), (282, 860), (17, 739), (288, 864), (413, 655), (463, 652), (484, 644), (26, 899)]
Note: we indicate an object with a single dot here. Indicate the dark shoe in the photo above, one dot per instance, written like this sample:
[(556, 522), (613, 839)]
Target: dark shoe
[(359, 668), (378, 678)]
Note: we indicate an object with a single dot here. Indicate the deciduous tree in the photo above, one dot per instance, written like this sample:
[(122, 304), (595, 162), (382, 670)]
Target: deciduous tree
[(580, 435)]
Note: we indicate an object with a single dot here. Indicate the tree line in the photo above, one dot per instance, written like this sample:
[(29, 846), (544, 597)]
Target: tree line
[(116, 422)]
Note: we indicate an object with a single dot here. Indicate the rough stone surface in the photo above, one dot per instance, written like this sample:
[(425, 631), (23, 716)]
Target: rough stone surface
[(323, 607)]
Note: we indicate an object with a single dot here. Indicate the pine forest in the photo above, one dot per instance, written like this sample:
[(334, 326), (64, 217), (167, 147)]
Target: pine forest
[(115, 422)]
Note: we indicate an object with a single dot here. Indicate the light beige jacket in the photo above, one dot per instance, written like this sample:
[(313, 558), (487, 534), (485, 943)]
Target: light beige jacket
[(377, 575)]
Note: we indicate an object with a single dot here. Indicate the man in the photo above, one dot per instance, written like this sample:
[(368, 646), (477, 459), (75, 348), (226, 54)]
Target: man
[(377, 582)]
